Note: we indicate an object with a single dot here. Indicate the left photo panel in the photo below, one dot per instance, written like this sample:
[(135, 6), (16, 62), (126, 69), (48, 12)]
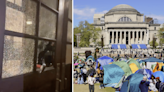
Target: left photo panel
[(35, 45)]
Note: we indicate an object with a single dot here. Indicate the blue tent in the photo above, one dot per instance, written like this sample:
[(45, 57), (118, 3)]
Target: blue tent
[(159, 74), (145, 72), (131, 84), (152, 59), (104, 60), (112, 73), (90, 57)]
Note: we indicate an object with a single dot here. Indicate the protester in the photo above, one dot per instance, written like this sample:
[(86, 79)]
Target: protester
[(101, 82), (161, 89), (75, 74), (80, 79), (152, 86), (84, 74), (91, 81), (144, 84), (158, 83)]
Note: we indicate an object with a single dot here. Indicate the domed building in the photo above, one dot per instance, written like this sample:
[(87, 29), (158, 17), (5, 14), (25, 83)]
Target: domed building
[(123, 24)]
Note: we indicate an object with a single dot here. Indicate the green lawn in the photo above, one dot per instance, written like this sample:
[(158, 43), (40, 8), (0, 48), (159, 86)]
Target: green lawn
[(85, 88)]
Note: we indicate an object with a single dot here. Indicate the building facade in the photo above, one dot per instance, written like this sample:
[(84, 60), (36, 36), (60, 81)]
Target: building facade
[(123, 24)]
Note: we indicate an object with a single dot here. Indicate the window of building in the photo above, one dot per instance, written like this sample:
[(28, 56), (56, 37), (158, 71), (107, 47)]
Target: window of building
[(124, 19), (154, 28)]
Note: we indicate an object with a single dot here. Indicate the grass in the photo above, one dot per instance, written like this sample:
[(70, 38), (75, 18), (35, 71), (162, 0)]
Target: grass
[(85, 88)]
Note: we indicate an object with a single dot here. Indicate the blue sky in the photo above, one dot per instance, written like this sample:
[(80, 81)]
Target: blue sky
[(85, 9)]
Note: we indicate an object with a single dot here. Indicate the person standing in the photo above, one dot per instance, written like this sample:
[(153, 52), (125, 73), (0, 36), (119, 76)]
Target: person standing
[(144, 84), (84, 74), (152, 84), (158, 83), (91, 82)]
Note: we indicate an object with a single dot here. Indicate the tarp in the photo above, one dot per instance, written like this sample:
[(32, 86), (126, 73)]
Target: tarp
[(159, 74), (158, 67), (132, 83), (133, 67), (104, 60), (112, 73), (152, 59), (145, 72), (125, 67)]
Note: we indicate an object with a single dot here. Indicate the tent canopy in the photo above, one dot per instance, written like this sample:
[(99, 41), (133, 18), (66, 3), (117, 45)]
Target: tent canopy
[(159, 74), (145, 72), (133, 67), (112, 73), (132, 82), (124, 66), (152, 59), (90, 57), (135, 62), (104, 60), (80, 60)]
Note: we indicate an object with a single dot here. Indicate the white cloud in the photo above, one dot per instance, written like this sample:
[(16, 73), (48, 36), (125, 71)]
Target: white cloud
[(86, 13)]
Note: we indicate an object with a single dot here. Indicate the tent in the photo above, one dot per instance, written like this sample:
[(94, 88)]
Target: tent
[(159, 74), (80, 60), (90, 60), (112, 73), (90, 57), (104, 60), (145, 72), (131, 84), (152, 59), (134, 65), (124, 66), (158, 67)]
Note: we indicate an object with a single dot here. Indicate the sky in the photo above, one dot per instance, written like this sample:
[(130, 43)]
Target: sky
[(85, 9)]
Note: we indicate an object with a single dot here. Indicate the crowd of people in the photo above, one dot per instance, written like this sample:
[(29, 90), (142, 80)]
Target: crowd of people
[(87, 74), (91, 73), (154, 84)]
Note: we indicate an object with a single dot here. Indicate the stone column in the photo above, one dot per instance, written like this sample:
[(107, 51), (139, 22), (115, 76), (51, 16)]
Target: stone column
[(136, 37), (133, 37), (145, 37), (141, 37), (116, 37), (120, 37), (112, 37), (124, 37), (109, 37), (129, 38)]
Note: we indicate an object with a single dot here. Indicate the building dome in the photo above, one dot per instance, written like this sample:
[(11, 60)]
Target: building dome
[(122, 8)]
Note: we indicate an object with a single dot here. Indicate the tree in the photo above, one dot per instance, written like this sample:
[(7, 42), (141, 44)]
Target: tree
[(155, 45), (161, 36), (88, 32)]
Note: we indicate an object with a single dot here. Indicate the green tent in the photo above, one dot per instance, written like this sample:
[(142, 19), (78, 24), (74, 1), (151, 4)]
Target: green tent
[(135, 62), (125, 67), (80, 60)]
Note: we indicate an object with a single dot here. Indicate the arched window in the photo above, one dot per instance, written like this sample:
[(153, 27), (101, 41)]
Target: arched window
[(124, 19)]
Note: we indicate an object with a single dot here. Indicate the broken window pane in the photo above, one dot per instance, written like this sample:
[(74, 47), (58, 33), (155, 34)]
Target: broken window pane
[(17, 56)]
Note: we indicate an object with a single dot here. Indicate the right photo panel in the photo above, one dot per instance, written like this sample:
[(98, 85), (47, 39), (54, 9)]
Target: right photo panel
[(118, 46)]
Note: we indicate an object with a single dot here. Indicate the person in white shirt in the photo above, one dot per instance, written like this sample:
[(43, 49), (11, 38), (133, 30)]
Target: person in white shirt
[(84, 74), (152, 84), (91, 82)]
